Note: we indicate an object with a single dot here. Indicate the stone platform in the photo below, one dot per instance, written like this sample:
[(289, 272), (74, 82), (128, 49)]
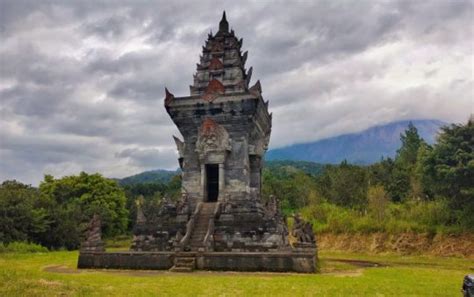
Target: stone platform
[(302, 262)]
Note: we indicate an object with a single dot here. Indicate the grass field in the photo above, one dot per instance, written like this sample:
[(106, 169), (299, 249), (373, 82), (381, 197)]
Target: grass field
[(54, 274)]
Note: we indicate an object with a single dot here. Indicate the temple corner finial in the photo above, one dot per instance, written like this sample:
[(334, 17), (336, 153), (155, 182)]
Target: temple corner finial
[(168, 97)]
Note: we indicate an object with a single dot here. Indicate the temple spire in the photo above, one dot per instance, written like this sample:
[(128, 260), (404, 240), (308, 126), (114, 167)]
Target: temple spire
[(223, 24)]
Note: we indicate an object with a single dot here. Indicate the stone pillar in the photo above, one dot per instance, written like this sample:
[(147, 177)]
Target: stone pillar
[(203, 182), (221, 179)]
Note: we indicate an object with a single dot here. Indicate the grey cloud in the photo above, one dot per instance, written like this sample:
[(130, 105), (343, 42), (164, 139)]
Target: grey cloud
[(82, 82), (147, 158)]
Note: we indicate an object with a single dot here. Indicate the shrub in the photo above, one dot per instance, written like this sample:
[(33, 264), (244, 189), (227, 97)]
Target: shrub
[(22, 247), (378, 201)]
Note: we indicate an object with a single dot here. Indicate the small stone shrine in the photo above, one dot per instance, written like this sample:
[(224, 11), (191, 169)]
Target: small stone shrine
[(220, 223), (93, 240)]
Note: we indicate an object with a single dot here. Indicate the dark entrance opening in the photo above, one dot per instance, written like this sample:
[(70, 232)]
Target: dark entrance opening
[(212, 176)]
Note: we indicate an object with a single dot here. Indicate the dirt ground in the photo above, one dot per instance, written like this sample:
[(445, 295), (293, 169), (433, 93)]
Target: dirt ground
[(404, 244)]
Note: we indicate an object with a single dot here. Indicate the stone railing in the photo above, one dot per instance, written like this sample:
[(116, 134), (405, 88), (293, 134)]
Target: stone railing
[(208, 239), (189, 227)]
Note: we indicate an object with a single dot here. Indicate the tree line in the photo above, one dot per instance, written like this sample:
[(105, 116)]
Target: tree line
[(424, 188)]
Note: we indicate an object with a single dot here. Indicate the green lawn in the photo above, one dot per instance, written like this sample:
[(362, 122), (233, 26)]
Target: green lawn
[(54, 274)]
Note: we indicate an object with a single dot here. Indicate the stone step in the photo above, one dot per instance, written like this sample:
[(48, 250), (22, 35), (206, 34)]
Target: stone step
[(184, 264), (202, 219), (198, 237), (196, 241), (201, 225), (181, 269), (187, 260)]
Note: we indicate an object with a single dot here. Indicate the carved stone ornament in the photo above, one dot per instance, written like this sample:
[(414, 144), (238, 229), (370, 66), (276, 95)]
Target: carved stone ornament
[(141, 219), (212, 137), (93, 241), (169, 97), (213, 90), (179, 146), (302, 231), (256, 89), (215, 64)]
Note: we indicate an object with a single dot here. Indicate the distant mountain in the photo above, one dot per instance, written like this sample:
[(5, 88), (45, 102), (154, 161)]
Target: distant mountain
[(287, 166), (153, 176), (365, 147)]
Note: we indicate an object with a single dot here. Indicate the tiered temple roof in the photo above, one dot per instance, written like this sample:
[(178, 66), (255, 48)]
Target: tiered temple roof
[(222, 65)]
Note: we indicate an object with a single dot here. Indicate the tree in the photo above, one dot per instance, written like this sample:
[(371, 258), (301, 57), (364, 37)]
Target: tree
[(411, 141), (291, 185), (402, 183), (451, 168), (21, 217), (421, 183), (73, 200), (344, 185), (399, 186), (380, 173)]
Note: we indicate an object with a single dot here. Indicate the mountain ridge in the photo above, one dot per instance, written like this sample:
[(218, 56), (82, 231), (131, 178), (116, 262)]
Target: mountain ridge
[(365, 147)]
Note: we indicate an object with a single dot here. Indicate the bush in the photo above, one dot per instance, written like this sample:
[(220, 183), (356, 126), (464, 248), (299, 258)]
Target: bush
[(22, 247), (378, 201), (410, 216)]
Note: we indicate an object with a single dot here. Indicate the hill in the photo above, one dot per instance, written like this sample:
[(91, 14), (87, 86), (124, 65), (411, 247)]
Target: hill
[(287, 166), (153, 176), (365, 147)]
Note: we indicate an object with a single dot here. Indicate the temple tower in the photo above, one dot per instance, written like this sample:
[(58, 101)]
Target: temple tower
[(224, 122), (220, 223)]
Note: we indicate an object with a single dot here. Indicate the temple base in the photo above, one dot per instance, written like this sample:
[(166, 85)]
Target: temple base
[(303, 262)]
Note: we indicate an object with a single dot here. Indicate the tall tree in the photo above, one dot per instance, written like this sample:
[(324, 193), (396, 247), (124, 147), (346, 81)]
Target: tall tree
[(402, 183), (451, 167), (411, 142)]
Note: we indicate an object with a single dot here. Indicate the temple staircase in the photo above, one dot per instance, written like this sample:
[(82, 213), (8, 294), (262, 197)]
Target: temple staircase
[(184, 264), (201, 226), (186, 261)]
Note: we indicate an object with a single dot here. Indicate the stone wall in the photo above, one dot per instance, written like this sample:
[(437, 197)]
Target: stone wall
[(162, 232), (276, 262), (127, 260), (245, 228), (245, 119)]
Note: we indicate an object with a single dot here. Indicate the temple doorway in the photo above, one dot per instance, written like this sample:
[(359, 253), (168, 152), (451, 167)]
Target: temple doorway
[(212, 177)]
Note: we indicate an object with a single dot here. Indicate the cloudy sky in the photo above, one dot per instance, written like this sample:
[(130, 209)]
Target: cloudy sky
[(82, 82)]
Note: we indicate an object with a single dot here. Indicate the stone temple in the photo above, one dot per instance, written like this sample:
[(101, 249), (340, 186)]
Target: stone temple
[(221, 222)]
